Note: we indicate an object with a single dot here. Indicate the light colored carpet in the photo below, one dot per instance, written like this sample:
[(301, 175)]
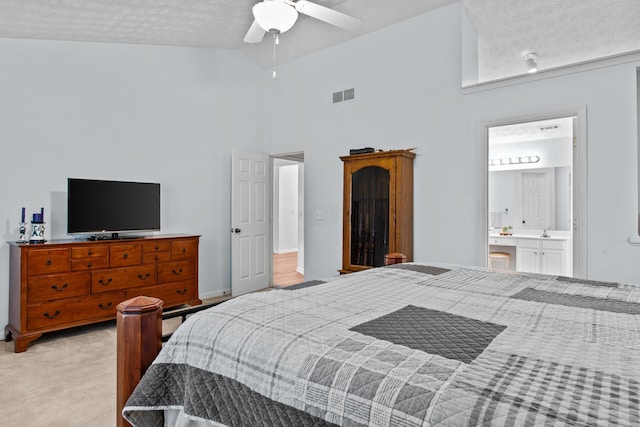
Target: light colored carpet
[(65, 378)]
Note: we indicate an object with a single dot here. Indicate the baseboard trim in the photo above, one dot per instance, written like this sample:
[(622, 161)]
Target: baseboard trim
[(215, 294), (286, 251)]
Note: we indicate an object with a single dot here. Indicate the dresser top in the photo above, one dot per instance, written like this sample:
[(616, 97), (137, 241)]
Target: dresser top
[(124, 239)]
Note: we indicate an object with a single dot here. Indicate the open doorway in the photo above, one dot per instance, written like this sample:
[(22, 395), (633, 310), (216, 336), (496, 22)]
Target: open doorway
[(535, 196), (288, 219)]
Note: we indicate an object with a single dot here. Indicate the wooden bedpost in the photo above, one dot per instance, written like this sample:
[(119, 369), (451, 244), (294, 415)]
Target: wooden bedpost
[(139, 328)]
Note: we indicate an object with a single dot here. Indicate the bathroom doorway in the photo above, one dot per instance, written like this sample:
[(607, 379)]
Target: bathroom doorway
[(535, 203)]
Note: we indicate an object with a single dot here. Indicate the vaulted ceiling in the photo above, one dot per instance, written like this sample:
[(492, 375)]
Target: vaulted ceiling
[(560, 32)]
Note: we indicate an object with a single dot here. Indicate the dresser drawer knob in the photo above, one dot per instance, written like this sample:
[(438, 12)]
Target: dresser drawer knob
[(125, 256), (181, 291), (177, 273), (105, 307), (141, 277), (157, 258), (48, 262), (105, 282), (51, 316), (89, 264), (60, 289), (90, 252), (184, 250), (157, 247)]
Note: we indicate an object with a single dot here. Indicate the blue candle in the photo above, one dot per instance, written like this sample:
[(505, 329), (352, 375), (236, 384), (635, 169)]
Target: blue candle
[(22, 215)]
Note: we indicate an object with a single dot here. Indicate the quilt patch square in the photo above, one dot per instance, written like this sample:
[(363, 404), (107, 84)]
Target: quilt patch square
[(426, 269), (432, 331), (580, 301)]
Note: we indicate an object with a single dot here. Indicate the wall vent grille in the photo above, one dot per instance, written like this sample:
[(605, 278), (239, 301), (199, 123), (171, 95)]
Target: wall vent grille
[(344, 95)]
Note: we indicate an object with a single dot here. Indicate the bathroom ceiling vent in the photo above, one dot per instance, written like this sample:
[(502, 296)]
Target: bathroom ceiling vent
[(344, 95)]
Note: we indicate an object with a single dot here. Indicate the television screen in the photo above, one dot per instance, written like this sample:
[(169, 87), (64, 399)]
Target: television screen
[(98, 206)]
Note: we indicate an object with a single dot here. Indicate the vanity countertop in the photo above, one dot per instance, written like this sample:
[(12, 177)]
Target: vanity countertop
[(530, 236)]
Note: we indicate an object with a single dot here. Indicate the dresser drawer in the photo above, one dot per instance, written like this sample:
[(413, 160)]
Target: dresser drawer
[(48, 261), (121, 278), (171, 293), (154, 257), (57, 286), (123, 255), (528, 243), (49, 314), (553, 244), (502, 241), (183, 249), (158, 246), (89, 251), (89, 263), (176, 271)]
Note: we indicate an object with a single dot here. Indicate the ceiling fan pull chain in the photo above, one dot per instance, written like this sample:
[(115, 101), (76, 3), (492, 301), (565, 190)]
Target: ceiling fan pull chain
[(275, 42)]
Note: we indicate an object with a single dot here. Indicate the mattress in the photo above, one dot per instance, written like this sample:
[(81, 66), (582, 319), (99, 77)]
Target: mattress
[(405, 345)]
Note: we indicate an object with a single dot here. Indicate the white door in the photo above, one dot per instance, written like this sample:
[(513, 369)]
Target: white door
[(250, 240), (534, 201)]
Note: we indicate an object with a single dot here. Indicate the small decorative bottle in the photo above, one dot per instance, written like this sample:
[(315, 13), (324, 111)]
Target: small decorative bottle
[(22, 230), (37, 227)]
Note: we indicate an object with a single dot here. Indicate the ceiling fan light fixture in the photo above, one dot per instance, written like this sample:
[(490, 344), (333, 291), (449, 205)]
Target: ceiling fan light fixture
[(275, 15)]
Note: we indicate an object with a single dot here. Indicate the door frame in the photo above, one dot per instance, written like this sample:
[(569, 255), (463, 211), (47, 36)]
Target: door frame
[(297, 156), (579, 178)]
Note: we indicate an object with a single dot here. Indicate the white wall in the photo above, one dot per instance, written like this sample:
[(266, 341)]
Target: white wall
[(407, 80), (161, 114), (172, 115)]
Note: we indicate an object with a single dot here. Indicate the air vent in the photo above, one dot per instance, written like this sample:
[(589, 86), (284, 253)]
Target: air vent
[(344, 95), (349, 94)]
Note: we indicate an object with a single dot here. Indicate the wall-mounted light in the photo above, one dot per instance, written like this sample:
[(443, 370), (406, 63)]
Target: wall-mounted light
[(530, 59), (514, 160)]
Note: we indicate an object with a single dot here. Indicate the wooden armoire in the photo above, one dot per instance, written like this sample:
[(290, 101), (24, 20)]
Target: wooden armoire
[(377, 208)]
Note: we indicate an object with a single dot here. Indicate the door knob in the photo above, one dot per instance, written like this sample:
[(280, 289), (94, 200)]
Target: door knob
[(235, 230)]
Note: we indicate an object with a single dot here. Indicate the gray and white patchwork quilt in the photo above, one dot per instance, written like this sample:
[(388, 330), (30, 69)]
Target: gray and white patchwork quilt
[(406, 345)]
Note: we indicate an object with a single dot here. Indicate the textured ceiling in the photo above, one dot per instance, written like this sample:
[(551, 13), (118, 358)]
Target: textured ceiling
[(531, 131), (561, 32)]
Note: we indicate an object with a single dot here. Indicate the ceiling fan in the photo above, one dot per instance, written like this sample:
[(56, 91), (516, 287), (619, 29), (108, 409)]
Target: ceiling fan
[(278, 16)]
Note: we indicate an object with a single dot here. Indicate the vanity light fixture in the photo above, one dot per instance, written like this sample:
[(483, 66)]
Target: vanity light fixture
[(530, 59), (514, 160)]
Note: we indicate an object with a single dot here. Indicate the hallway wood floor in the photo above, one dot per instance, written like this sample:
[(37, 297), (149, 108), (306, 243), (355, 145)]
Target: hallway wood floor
[(284, 270)]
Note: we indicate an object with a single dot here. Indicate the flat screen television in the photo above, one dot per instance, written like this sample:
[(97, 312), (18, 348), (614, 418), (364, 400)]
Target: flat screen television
[(100, 206)]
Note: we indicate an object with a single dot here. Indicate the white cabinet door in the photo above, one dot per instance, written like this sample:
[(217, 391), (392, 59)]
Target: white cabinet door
[(527, 260), (552, 262)]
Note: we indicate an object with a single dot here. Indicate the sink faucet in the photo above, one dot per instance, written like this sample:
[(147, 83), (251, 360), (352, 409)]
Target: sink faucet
[(544, 233)]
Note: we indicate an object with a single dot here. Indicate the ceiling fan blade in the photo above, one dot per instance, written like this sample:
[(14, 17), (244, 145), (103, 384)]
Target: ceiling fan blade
[(255, 33), (330, 16)]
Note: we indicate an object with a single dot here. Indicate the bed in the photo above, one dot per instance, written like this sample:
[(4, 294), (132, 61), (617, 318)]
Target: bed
[(404, 345)]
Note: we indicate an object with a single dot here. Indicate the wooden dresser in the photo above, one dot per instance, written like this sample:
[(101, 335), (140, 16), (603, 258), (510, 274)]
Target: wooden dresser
[(61, 284)]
